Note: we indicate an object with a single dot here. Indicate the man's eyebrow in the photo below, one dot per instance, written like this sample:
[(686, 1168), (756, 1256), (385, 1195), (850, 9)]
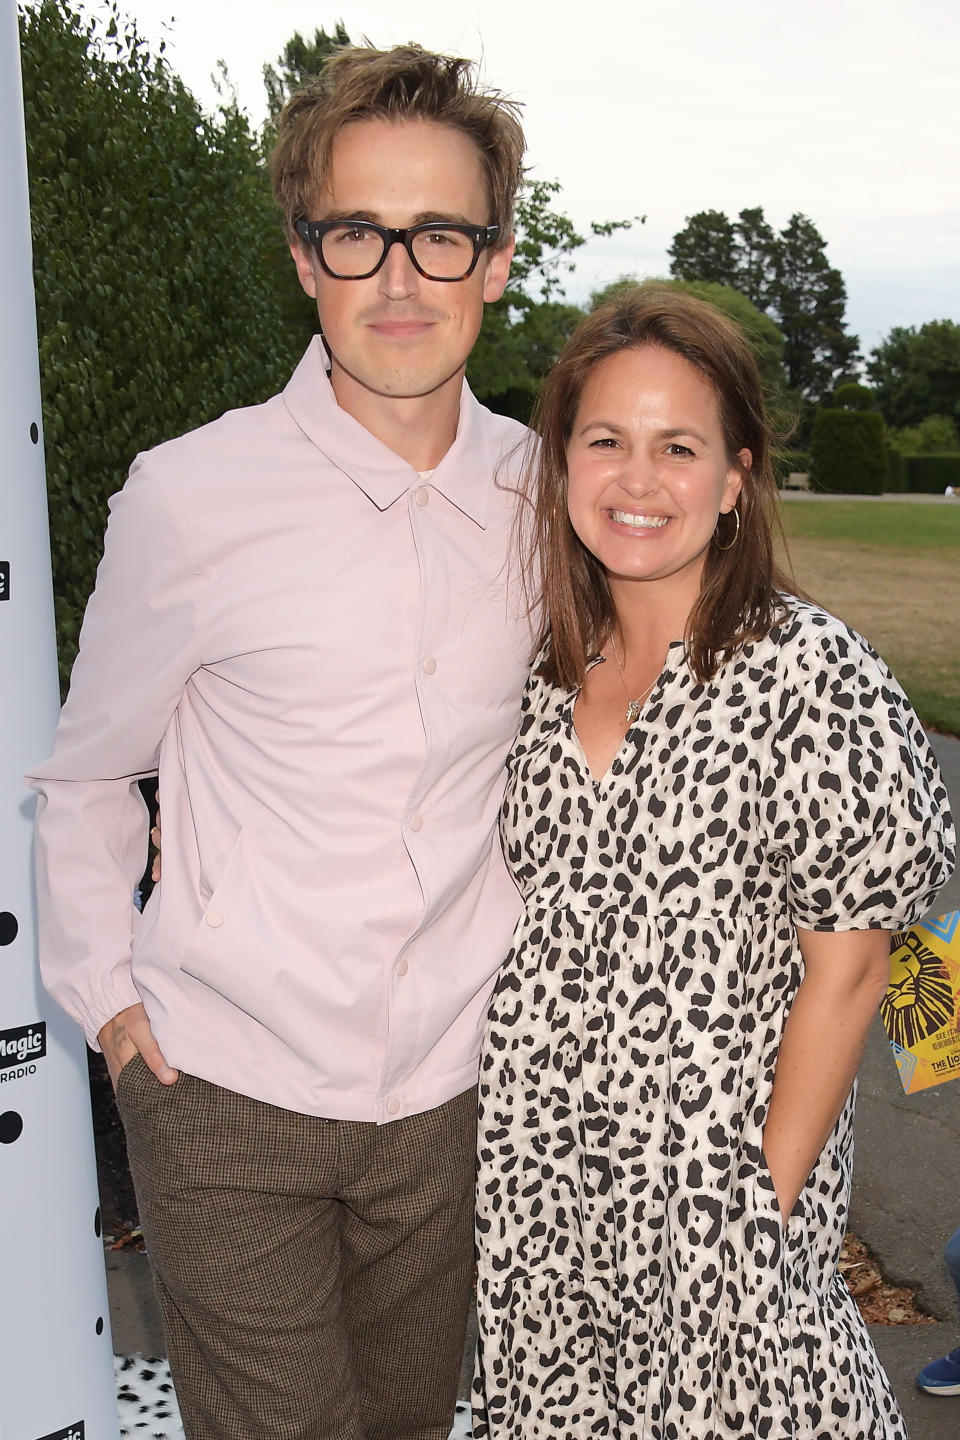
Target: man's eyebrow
[(333, 216), (425, 217), (437, 217)]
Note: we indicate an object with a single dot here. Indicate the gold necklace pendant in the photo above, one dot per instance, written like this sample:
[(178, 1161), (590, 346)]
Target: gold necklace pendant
[(633, 706)]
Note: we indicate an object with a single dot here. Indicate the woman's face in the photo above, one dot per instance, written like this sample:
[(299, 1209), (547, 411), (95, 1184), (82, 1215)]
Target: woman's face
[(647, 467)]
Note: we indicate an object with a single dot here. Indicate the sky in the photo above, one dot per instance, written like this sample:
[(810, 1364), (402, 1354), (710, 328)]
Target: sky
[(845, 110)]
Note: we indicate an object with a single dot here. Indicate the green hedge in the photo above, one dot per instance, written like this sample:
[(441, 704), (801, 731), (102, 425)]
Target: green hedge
[(788, 462), (931, 474), (896, 469), (847, 452), (164, 295)]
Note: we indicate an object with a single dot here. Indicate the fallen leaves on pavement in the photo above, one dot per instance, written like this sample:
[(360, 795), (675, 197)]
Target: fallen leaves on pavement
[(879, 1302)]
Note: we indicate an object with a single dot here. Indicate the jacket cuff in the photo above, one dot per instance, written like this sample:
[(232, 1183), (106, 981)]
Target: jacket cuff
[(120, 995)]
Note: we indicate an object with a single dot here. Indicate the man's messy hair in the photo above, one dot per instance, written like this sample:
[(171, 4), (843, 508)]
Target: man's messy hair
[(406, 83)]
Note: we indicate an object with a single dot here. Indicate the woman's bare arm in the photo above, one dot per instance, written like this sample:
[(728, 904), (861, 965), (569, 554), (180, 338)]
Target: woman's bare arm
[(845, 974)]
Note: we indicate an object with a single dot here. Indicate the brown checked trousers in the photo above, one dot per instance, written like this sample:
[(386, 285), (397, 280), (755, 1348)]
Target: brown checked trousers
[(313, 1275)]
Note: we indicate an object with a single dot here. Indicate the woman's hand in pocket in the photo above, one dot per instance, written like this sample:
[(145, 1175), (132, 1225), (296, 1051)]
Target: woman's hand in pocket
[(845, 974)]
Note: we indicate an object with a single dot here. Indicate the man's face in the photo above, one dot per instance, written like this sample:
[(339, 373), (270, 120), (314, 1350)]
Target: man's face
[(396, 334)]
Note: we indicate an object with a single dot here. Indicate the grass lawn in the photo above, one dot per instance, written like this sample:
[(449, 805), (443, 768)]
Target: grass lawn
[(892, 571)]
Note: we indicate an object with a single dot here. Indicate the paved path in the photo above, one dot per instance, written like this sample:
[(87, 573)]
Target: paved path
[(906, 1193), (897, 497)]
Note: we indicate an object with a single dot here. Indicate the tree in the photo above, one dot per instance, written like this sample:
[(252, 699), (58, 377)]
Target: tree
[(515, 349), (788, 277), (157, 305), (917, 373), (810, 300), (764, 338), (300, 61), (847, 452), (853, 396), (742, 254), (706, 249), (936, 435), (522, 334), (755, 256)]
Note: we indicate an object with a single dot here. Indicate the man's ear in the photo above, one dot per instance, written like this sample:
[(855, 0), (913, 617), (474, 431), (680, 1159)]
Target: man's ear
[(498, 271), (304, 260)]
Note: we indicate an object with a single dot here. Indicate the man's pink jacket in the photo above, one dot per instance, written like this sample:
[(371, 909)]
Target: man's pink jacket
[(323, 655)]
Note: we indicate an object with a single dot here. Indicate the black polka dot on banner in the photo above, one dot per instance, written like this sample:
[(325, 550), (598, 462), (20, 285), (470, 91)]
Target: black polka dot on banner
[(96, 1222), (35, 432), (99, 1325), (8, 927), (11, 1127)]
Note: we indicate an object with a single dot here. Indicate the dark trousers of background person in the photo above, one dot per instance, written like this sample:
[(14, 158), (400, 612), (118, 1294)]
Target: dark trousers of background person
[(952, 1258), (313, 1275)]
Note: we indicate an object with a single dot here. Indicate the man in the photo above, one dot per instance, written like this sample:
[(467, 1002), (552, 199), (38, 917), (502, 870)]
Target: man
[(303, 621)]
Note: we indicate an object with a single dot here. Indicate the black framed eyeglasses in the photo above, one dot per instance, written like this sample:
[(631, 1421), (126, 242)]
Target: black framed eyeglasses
[(355, 249)]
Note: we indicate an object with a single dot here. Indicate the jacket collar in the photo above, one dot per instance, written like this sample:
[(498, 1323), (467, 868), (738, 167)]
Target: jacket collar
[(465, 475)]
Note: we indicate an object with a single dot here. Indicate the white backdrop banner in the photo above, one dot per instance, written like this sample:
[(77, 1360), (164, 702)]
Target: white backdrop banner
[(56, 1367)]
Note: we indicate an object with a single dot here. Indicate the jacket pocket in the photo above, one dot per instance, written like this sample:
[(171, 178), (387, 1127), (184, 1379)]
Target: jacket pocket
[(227, 950), (271, 943)]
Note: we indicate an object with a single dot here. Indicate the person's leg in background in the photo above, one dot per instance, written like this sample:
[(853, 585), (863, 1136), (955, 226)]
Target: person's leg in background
[(952, 1258), (942, 1377)]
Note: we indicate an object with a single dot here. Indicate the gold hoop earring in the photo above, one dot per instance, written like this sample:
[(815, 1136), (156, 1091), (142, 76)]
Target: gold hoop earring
[(736, 533)]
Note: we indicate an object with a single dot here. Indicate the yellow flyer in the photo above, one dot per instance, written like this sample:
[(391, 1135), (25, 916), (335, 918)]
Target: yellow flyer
[(921, 1009)]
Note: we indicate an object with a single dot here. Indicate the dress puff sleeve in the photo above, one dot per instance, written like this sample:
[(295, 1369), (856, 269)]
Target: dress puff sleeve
[(853, 795)]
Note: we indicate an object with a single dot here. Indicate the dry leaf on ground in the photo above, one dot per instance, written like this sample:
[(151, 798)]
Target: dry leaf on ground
[(879, 1302)]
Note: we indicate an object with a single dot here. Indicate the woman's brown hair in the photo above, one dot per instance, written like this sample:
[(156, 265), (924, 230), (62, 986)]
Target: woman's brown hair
[(567, 586)]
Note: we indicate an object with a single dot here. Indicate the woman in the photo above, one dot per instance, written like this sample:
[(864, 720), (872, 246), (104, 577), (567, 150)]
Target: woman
[(718, 803)]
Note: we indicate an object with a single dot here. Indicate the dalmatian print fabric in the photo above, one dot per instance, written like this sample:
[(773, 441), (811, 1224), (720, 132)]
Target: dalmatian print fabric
[(147, 1406), (146, 1403), (636, 1280)]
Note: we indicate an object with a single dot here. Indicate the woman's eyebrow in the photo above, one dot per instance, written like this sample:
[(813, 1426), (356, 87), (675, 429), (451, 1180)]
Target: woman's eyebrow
[(685, 430), (600, 425), (670, 434)]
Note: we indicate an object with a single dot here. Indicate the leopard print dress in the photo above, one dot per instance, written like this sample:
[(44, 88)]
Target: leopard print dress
[(635, 1279)]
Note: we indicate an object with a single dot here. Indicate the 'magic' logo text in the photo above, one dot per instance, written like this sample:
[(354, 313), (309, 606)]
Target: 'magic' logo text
[(75, 1431), (25, 1043)]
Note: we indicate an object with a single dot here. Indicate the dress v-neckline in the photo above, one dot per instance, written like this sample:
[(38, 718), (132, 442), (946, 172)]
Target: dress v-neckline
[(599, 781)]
